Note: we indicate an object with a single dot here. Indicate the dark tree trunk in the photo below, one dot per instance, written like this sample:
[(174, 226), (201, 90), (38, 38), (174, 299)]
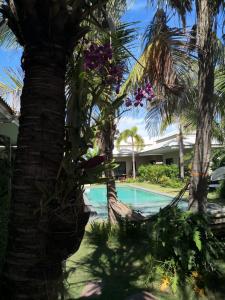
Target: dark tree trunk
[(28, 272), (181, 152), (202, 150)]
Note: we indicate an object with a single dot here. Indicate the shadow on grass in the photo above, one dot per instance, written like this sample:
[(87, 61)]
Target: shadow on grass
[(118, 263), (122, 262)]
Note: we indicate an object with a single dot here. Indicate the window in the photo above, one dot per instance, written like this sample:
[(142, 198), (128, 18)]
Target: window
[(169, 161), (121, 170)]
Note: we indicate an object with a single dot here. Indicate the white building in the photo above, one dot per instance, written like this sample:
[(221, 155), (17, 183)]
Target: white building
[(8, 123), (162, 150)]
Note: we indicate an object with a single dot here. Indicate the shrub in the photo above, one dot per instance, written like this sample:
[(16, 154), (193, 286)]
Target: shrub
[(169, 182), (178, 248), (4, 207), (131, 180), (158, 173), (186, 247), (221, 190)]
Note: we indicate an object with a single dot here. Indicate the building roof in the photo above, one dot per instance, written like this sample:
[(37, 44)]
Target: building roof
[(4, 105), (163, 145), (8, 122)]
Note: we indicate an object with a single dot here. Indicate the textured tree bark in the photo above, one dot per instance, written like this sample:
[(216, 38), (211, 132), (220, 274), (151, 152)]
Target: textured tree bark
[(108, 136), (181, 152), (202, 150), (133, 159), (29, 272)]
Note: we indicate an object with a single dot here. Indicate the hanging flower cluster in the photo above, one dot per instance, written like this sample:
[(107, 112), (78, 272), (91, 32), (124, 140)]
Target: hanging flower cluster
[(140, 94), (99, 58)]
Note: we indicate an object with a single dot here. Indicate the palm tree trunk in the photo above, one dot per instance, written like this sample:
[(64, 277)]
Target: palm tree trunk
[(108, 146), (202, 151), (133, 160), (181, 152), (28, 272)]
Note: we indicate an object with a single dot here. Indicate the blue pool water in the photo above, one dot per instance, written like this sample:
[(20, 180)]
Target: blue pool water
[(145, 201)]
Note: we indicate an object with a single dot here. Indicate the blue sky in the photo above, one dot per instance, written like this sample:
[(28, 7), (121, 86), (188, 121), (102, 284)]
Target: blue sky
[(137, 12)]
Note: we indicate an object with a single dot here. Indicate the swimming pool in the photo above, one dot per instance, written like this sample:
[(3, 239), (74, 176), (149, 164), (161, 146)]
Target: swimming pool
[(143, 200)]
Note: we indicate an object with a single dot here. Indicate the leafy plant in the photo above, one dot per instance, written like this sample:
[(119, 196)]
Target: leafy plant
[(218, 159), (4, 207), (176, 248), (165, 181), (185, 246), (158, 173), (221, 190)]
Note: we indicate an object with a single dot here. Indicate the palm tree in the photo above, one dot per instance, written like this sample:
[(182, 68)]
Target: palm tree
[(160, 67), (135, 140), (111, 108), (207, 12), (48, 32), (165, 63)]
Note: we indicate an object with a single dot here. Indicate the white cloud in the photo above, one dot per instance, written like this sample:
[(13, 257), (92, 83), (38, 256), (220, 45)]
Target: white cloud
[(136, 5), (127, 122)]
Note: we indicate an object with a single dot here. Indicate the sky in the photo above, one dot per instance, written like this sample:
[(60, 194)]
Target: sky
[(137, 12)]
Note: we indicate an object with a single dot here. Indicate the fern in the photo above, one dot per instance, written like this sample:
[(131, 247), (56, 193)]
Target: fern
[(197, 239)]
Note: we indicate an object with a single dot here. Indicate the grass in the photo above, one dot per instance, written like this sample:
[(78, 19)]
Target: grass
[(120, 270), (212, 195), (78, 276), (157, 188)]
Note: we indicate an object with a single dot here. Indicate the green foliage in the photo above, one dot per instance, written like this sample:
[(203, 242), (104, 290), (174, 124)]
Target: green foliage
[(120, 258), (4, 207), (131, 180), (4, 177), (165, 175), (218, 158), (185, 245), (170, 182), (221, 190), (136, 141), (178, 248)]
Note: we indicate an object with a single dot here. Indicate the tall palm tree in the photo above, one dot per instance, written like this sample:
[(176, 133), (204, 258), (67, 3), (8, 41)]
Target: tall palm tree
[(110, 106), (48, 32), (206, 12), (159, 64), (165, 63), (136, 142)]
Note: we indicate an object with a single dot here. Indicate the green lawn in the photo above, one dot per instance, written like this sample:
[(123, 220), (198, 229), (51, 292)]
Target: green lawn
[(157, 188), (117, 269), (212, 196), (78, 274), (120, 270)]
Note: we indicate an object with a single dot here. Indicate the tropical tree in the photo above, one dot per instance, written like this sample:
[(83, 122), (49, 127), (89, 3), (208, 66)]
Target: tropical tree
[(110, 104), (205, 46), (136, 142), (165, 63), (48, 32), (207, 12)]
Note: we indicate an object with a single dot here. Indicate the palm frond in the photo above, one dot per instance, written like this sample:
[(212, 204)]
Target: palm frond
[(132, 134), (220, 81), (11, 84), (7, 37), (164, 61), (182, 7)]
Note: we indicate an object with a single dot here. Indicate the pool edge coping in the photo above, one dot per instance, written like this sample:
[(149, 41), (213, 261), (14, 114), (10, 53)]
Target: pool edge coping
[(150, 190), (142, 188)]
